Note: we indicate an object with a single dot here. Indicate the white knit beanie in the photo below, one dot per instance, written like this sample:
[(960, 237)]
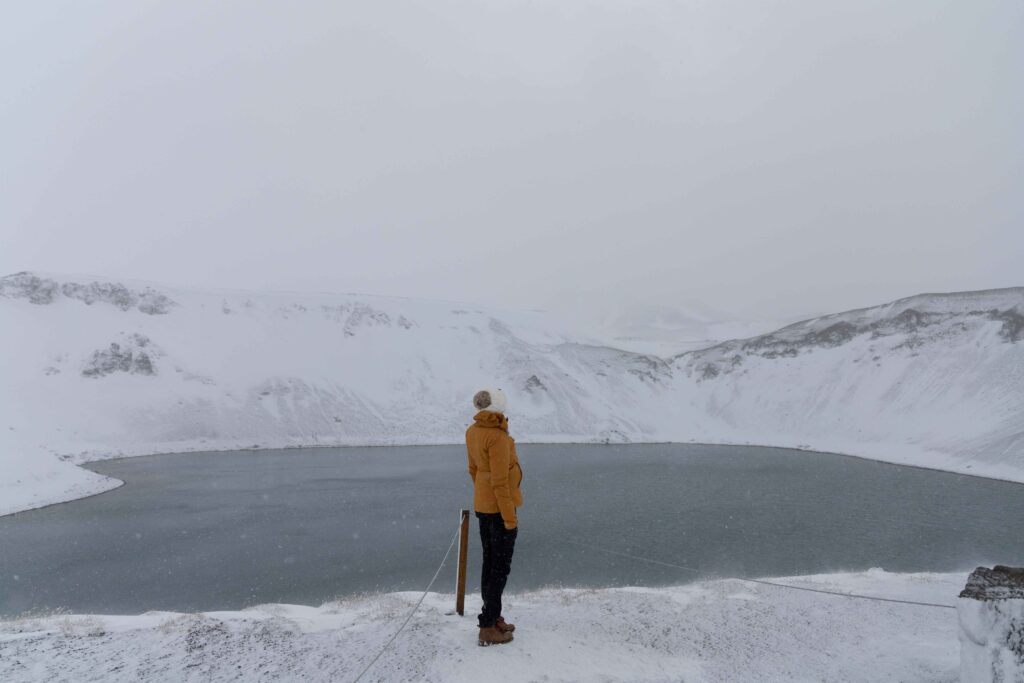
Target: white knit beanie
[(493, 400)]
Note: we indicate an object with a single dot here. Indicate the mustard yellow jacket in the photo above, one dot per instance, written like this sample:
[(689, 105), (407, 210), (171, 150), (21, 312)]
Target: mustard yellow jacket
[(494, 466)]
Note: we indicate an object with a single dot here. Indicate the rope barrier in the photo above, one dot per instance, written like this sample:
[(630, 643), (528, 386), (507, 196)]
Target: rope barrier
[(640, 559), (416, 607), (766, 583)]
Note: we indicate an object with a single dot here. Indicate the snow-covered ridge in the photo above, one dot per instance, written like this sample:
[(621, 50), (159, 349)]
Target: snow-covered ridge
[(911, 316), (39, 290), (934, 380), (97, 369), (916, 321)]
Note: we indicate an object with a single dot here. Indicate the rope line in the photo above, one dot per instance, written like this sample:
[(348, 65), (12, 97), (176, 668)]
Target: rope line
[(640, 559), (766, 583), (416, 607)]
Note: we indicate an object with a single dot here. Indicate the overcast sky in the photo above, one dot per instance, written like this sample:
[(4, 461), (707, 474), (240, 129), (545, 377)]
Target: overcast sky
[(767, 158)]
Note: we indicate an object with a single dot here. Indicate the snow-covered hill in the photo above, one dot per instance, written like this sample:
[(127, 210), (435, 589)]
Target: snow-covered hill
[(95, 369), (934, 380)]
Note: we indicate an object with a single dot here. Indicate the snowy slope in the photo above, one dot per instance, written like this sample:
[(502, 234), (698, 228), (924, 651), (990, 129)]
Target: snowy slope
[(934, 380), (714, 631), (102, 369), (94, 369)]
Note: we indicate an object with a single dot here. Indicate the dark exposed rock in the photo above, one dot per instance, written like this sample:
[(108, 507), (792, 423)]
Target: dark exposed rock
[(647, 368), (147, 301), (363, 315), (152, 302), (534, 385), (610, 436), (759, 343), (354, 316), (108, 361), (118, 359), (910, 319), (44, 291), (709, 371), (998, 583), (913, 327), (786, 352), (770, 346), (833, 335), (1013, 324), (109, 292), (776, 345), (912, 342), (142, 364), (28, 286)]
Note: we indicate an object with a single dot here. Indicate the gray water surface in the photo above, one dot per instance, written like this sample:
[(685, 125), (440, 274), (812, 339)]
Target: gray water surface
[(210, 531)]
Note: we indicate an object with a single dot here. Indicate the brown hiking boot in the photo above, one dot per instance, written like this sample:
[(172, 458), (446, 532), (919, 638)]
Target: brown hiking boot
[(504, 626), (492, 636)]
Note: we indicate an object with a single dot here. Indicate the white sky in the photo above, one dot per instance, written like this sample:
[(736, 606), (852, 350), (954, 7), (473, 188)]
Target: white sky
[(768, 158)]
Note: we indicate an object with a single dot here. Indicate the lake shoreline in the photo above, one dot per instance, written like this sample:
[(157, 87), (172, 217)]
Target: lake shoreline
[(719, 510), (83, 462)]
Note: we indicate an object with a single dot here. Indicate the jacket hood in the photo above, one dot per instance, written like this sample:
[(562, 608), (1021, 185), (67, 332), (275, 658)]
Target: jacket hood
[(487, 418)]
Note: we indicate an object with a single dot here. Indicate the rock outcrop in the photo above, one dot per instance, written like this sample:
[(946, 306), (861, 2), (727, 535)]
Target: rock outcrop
[(991, 612), (134, 358), (42, 291)]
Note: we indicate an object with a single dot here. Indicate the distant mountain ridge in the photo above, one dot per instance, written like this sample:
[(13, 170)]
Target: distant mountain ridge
[(911, 316), (942, 374), (665, 330), (100, 369)]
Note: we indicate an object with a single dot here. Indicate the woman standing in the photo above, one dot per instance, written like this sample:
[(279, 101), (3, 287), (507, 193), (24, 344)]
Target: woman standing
[(494, 469)]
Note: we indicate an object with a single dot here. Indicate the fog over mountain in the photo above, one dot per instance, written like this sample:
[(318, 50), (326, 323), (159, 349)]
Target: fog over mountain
[(771, 159), (100, 369)]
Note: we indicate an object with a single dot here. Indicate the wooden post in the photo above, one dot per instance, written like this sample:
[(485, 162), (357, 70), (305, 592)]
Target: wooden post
[(460, 581)]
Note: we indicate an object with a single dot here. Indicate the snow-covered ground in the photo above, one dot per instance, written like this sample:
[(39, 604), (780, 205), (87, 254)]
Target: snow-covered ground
[(724, 630), (991, 640), (94, 369)]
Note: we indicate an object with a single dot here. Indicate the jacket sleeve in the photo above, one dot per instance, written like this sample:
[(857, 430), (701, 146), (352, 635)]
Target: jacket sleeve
[(499, 454), (471, 462)]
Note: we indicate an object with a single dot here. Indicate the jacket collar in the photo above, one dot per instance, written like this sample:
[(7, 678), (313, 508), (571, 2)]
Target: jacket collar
[(485, 418)]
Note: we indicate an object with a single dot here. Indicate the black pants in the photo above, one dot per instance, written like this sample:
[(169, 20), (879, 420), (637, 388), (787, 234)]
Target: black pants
[(498, 543)]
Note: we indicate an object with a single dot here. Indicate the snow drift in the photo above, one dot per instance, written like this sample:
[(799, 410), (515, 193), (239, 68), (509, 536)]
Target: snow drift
[(97, 369), (722, 631)]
